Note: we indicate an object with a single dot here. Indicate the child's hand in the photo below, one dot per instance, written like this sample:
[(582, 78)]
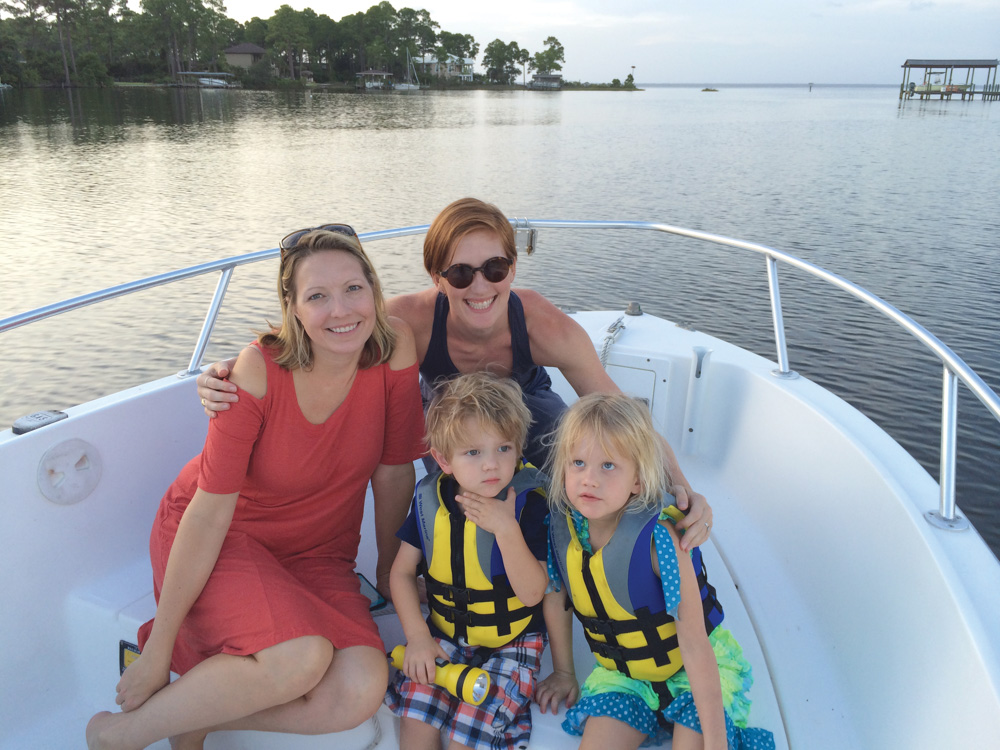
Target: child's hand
[(418, 661), (556, 689), (489, 513)]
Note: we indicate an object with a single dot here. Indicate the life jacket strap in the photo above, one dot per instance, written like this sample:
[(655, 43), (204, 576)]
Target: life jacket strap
[(464, 595), (465, 618)]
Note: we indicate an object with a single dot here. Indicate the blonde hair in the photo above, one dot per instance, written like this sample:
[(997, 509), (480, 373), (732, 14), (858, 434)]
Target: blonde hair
[(493, 402), (293, 345), (458, 219), (621, 425)]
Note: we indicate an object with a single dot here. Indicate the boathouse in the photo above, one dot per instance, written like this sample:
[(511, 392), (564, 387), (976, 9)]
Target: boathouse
[(373, 80), (546, 81), (939, 79)]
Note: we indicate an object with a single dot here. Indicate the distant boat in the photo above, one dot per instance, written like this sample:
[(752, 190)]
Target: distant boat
[(207, 79), (5, 85), (411, 76)]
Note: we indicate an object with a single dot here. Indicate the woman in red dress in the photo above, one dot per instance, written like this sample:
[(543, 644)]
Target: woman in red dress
[(254, 545)]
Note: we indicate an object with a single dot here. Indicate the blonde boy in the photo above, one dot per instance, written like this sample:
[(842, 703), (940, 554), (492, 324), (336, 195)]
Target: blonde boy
[(476, 532)]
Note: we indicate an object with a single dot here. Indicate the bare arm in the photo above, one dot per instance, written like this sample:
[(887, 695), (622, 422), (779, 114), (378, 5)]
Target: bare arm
[(392, 484), (421, 648), (559, 341), (192, 558), (696, 652), (560, 687), (193, 555), (528, 576), (392, 489)]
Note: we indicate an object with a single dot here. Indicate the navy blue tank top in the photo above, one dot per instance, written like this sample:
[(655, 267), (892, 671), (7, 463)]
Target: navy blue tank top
[(437, 366), (536, 386)]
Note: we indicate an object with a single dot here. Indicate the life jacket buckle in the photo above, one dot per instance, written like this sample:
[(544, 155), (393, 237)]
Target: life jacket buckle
[(458, 616), (601, 627), (456, 594), (615, 653)]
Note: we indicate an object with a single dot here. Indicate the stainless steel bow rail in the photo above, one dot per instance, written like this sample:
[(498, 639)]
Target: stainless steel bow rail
[(954, 368)]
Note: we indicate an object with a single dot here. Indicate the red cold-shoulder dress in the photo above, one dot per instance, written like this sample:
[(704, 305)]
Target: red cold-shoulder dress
[(286, 568)]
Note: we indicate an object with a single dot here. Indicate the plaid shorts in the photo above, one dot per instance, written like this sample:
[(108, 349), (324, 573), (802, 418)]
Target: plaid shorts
[(503, 720)]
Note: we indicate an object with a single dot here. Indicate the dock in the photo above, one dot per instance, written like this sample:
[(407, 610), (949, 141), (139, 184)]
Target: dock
[(939, 79)]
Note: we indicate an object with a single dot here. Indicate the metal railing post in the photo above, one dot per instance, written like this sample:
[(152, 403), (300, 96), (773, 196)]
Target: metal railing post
[(783, 370), (946, 517), (194, 366)]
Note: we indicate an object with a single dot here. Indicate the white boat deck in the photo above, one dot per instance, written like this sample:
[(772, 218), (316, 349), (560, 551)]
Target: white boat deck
[(862, 622)]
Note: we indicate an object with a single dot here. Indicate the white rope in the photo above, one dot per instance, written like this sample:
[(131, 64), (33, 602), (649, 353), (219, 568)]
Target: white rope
[(614, 331)]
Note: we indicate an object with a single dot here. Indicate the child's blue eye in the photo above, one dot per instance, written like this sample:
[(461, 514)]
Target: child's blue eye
[(473, 452), (504, 448), (607, 466), (577, 463)]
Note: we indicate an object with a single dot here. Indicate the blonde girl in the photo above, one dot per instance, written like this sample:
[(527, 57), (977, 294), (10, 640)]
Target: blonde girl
[(649, 614)]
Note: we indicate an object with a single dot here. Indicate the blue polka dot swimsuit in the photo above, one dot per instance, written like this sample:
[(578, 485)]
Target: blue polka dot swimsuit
[(636, 703)]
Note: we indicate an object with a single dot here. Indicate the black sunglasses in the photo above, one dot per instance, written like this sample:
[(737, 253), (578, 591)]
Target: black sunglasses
[(291, 240), (495, 270)]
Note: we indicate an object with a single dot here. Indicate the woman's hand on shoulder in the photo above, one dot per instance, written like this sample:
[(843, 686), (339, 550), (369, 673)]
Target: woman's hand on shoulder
[(405, 353), (697, 521), (217, 394), (250, 372)]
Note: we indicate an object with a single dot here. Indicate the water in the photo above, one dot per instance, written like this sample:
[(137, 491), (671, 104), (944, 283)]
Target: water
[(103, 187)]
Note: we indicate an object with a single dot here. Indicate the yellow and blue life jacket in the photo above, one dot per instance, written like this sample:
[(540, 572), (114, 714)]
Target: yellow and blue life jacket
[(619, 600), (468, 593)]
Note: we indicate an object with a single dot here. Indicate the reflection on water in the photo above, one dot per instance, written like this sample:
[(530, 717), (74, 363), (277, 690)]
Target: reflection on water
[(106, 186)]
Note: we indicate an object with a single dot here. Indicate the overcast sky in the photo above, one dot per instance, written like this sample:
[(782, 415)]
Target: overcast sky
[(710, 41)]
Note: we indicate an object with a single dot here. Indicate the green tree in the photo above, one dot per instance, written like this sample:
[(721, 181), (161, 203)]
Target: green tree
[(524, 57), (501, 60), (63, 10), (547, 61), (326, 39), (415, 30), (23, 39), (255, 31), (287, 33)]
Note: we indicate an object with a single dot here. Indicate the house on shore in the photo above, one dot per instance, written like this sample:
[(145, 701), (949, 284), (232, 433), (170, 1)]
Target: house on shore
[(244, 55), (449, 67)]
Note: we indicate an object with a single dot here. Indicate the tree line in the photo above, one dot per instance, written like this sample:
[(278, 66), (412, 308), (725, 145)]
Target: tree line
[(96, 42)]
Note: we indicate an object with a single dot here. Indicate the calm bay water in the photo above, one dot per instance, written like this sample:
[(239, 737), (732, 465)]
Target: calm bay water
[(102, 187)]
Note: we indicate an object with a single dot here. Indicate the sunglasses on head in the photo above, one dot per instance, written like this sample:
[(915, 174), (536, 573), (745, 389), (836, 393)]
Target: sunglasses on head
[(291, 240), (495, 270)]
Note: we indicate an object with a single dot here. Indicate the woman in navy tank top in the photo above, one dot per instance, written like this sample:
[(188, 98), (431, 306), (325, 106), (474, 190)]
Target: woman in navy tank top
[(471, 319)]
